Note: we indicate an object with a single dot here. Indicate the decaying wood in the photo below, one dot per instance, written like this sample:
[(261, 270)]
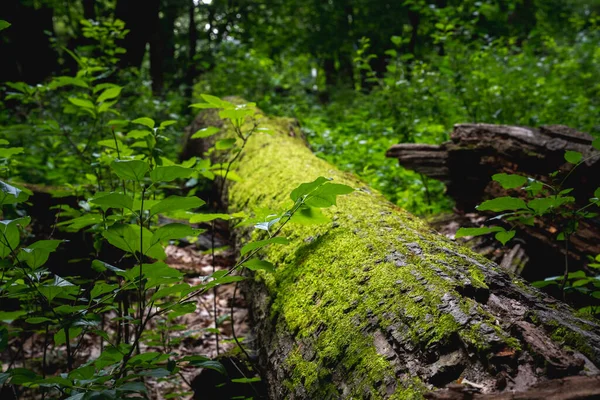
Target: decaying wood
[(475, 152), (374, 304), (571, 388)]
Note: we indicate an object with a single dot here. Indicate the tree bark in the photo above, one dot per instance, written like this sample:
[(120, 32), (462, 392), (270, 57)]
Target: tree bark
[(475, 152), (374, 304), (140, 18), (157, 49), (192, 44)]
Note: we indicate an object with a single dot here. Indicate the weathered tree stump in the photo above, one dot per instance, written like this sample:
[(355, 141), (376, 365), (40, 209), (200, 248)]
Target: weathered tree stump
[(374, 304)]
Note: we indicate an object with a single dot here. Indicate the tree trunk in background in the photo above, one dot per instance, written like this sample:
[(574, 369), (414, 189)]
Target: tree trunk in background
[(24, 47), (192, 43), (89, 9), (415, 20), (170, 12), (140, 18), (157, 50), (374, 304)]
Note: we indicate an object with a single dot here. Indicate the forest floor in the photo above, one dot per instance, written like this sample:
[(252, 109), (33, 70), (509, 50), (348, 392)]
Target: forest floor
[(192, 334), (198, 337)]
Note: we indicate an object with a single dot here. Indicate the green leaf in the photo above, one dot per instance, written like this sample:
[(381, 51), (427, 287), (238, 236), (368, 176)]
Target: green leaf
[(58, 288), (534, 187), (76, 224), (182, 309), (504, 236), (231, 175), (156, 274), (144, 358), (83, 103), (114, 200), (544, 204), (109, 94), (197, 218), (117, 123), (505, 203), (60, 338), (137, 387), (552, 280), (223, 281), (224, 144), (214, 365), (10, 236), (305, 188), (144, 121), (101, 266), (173, 203), (173, 231), (309, 216), (326, 195), (576, 275), (573, 157), (61, 81), (38, 320), (127, 237), (138, 134), (510, 181), (525, 220), (11, 195), (262, 243), (256, 264), (238, 114), (268, 223), (10, 151), (36, 254), (134, 170), (3, 24), (164, 124), (581, 282), (101, 288), (170, 173), (203, 106), (596, 144), (183, 288), (10, 316), (215, 101), (462, 232), (205, 132), (541, 205)]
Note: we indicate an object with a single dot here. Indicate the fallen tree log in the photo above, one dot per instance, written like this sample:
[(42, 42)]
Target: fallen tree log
[(374, 304), (475, 152)]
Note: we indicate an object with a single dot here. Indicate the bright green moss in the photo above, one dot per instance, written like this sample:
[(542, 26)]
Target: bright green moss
[(574, 340), (372, 265)]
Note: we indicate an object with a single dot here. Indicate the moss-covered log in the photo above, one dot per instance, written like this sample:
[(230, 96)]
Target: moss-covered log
[(374, 304)]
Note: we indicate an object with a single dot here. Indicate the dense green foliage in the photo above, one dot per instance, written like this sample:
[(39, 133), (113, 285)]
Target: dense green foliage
[(462, 70), (91, 116)]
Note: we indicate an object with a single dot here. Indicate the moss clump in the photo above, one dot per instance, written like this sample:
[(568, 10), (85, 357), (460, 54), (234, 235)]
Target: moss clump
[(574, 340)]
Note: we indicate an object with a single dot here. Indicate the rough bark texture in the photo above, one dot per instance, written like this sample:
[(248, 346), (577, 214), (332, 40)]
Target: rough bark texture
[(478, 151), (374, 304)]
